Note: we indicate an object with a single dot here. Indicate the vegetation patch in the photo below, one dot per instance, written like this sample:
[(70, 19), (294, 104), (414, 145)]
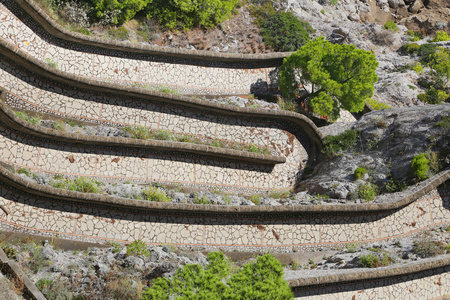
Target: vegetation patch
[(154, 194), (333, 145), (33, 119), (390, 25), (80, 184), (285, 32), (261, 279)]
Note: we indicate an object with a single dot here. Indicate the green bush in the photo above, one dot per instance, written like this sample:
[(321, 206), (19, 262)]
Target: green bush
[(433, 96), (10, 251), (411, 48), (413, 36), (441, 36), (285, 104), (188, 14), (138, 247), (285, 32), (24, 171), (138, 132), (332, 145), (420, 165), (377, 105), (359, 172), (118, 11), (367, 191), (163, 135), (261, 279), (203, 199), (390, 25), (256, 199), (426, 51), (84, 185), (394, 186), (152, 193), (369, 261)]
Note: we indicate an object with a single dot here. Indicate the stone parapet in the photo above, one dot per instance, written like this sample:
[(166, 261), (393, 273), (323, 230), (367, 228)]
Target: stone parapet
[(12, 268)]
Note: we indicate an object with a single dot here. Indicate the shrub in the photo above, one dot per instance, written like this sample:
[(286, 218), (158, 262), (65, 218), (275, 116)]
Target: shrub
[(411, 48), (162, 135), (420, 166), (390, 25), (138, 247), (24, 171), (139, 132), (285, 104), (261, 279), (284, 31), (118, 11), (393, 186), (413, 36), (367, 191), (428, 248), (351, 248), (359, 172), (188, 14), (426, 51), (418, 68), (120, 33), (84, 185), (433, 96), (369, 261), (10, 251), (155, 194), (256, 199), (202, 200), (332, 145), (295, 265), (441, 36), (377, 105)]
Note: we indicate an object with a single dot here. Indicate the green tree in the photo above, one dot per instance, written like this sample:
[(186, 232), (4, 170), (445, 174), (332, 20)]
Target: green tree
[(120, 11), (260, 280), (440, 63), (190, 13), (329, 77), (284, 31)]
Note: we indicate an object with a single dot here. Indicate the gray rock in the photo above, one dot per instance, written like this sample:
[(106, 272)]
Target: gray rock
[(416, 6), (134, 262), (396, 3)]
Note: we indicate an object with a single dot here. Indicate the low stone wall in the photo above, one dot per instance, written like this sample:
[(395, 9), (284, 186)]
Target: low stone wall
[(11, 267), (424, 279)]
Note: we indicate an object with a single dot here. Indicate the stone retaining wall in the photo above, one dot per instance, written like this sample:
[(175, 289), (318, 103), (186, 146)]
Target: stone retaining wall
[(425, 279), (12, 268)]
